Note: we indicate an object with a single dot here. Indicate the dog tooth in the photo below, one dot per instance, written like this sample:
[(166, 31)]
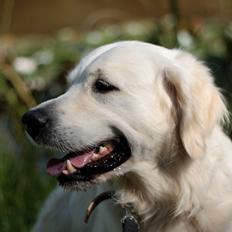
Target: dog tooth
[(102, 149), (95, 157), (70, 167), (65, 172)]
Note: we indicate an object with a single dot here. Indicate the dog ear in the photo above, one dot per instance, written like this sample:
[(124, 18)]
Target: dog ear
[(197, 104)]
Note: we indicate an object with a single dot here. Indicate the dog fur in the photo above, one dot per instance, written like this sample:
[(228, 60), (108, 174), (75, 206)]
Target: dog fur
[(169, 109)]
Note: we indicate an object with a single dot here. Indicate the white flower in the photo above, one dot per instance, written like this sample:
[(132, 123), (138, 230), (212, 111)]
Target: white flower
[(44, 57), (94, 37), (185, 39), (25, 65)]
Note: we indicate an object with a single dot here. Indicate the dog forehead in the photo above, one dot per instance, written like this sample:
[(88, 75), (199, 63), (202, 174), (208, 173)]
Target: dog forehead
[(129, 60), (124, 64)]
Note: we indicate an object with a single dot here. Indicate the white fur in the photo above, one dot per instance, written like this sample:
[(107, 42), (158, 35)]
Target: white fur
[(179, 176)]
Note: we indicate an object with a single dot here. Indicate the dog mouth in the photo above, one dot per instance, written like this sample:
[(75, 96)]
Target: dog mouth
[(87, 164)]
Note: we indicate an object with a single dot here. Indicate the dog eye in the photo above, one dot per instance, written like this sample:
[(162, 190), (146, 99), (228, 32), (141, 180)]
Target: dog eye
[(102, 86)]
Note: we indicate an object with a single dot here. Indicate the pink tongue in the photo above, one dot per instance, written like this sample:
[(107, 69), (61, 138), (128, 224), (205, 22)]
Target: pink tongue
[(81, 160), (56, 166)]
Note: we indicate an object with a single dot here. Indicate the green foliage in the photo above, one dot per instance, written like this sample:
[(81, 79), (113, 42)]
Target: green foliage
[(22, 190), (42, 63)]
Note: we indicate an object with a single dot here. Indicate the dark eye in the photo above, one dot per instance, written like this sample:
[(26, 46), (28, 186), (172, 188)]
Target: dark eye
[(102, 86)]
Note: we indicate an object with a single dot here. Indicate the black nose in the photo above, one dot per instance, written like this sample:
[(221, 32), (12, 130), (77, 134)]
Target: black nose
[(35, 121)]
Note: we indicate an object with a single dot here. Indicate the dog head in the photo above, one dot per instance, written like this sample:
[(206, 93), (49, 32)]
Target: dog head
[(127, 103)]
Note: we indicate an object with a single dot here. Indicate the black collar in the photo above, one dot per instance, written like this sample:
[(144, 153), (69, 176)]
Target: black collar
[(129, 222)]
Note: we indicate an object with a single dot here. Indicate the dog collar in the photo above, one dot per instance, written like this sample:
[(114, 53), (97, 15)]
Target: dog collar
[(129, 222)]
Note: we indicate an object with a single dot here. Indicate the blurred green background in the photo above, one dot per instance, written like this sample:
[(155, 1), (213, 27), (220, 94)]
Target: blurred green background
[(35, 58)]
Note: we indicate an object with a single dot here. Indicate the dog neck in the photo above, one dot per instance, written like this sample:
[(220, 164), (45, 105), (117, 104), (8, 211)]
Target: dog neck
[(162, 198), (148, 202)]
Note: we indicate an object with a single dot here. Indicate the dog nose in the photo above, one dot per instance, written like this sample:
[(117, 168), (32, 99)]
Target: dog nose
[(35, 121)]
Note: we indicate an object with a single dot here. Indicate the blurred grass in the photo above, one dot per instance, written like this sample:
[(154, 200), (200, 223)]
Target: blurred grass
[(42, 63)]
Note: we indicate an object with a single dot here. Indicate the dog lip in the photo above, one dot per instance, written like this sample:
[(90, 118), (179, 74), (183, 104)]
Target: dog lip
[(120, 154)]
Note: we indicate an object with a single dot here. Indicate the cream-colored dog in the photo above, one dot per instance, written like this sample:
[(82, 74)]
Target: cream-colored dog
[(148, 119)]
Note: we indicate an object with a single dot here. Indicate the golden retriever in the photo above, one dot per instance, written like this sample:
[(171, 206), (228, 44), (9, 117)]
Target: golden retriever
[(149, 120)]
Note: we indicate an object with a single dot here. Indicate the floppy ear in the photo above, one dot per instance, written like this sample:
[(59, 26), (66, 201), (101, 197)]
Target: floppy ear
[(197, 103)]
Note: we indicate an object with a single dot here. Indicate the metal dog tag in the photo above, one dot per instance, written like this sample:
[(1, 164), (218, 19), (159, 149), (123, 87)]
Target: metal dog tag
[(129, 223)]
